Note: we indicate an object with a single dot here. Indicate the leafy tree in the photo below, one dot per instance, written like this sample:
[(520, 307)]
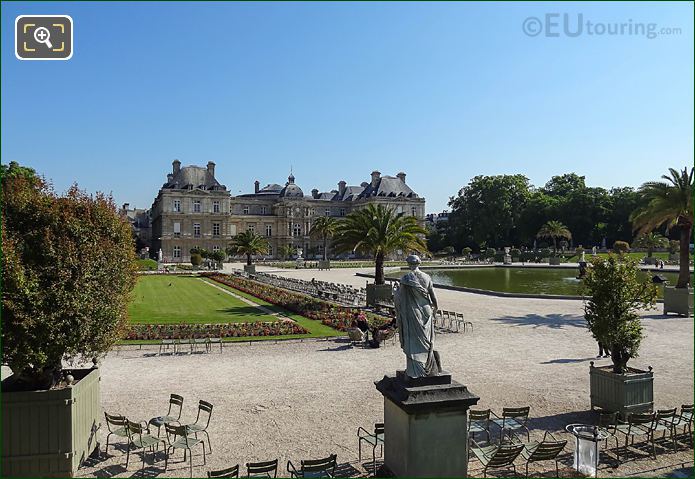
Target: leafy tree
[(466, 252), (196, 259), (378, 230), (68, 268), (248, 243), (621, 247), (489, 253), (564, 185), (651, 241), (285, 251), (670, 203), (554, 230), (616, 293), (324, 228)]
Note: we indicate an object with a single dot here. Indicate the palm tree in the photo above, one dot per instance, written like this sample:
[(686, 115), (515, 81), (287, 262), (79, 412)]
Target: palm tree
[(248, 243), (554, 230), (285, 251), (650, 241), (378, 230), (669, 203), (324, 228)]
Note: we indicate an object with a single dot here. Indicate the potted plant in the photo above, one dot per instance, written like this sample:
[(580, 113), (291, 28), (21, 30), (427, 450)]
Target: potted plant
[(615, 293), (516, 255), (378, 230), (554, 230), (670, 203), (651, 241), (248, 243), (324, 228), (68, 267)]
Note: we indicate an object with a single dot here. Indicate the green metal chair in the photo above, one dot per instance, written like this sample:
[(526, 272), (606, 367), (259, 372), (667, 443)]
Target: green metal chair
[(178, 439), (546, 450), (685, 420), (478, 422), (262, 469), (117, 426), (201, 425), (513, 419), (175, 402), (313, 468), (497, 456), (375, 440), (607, 422), (139, 438), (225, 473), (638, 424), (664, 421)]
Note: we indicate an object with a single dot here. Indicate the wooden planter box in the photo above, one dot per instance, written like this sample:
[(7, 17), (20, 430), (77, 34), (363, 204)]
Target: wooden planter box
[(554, 261), (678, 300), (50, 433), (378, 292), (250, 268), (324, 264), (622, 393)]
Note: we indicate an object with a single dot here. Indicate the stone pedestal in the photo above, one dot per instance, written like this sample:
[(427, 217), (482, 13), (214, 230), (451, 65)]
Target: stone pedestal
[(425, 429), (507, 259)]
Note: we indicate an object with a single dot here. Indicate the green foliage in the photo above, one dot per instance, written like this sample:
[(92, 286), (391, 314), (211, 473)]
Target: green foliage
[(248, 243), (651, 241), (621, 246), (515, 253), (489, 253), (324, 228), (147, 264), (615, 295), (669, 203), (466, 251), (554, 230), (196, 259), (546, 253), (285, 251), (68, 267), (379, 231), (673, 246)]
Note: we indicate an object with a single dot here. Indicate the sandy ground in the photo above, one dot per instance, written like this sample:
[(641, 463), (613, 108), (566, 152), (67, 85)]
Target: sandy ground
[(295, 400)]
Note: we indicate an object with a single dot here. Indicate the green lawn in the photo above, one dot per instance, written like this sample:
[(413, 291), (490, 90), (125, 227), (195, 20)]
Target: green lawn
[(177, 300)]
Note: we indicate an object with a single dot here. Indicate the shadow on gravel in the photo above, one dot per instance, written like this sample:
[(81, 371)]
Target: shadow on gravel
[(569, 360), (553, 321)]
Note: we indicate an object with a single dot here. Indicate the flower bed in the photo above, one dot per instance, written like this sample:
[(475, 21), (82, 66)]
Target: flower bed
[(333, 315), (228, 330)]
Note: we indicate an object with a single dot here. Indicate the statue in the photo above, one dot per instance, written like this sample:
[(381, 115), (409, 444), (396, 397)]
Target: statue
[(160, 255), (416, 306)]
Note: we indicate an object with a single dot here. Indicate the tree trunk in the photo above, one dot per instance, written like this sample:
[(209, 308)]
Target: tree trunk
[(620, 359), (248, 259), (649, 252), (554, 245), (684, 274), (379, 269), (325, 248)]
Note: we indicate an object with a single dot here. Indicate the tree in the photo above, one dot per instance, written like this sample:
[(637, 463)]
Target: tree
[(651, 241), (378, 230), (554, 230), (621, 247), (285, 251), (616, 293), (68, 268), (196, 259), (324, 228), (248, 243), (670, 203), (466, 252)]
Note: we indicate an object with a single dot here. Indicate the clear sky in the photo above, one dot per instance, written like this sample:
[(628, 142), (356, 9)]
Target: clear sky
[(442, 91)]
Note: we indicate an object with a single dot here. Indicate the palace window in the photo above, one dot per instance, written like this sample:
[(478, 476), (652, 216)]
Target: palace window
[(270, 250), (342, 211), (196, 230), (297, 230), (177, 206), (269, 230), (215, 206), (246, 210), (413, 210), (327, 212), (251, 227), (215, 229), (215, 248), (196, 206), (263, 210), (177, 230), (177, 252)]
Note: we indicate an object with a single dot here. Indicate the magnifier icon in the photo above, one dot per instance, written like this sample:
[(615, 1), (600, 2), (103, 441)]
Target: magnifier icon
[(43, 35)]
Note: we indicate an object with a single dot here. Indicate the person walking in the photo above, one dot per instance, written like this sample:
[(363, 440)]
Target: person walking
[(603, 351)]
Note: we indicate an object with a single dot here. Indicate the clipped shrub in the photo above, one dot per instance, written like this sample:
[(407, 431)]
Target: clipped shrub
[(196, 259), (466, 252), (621, 246), (489, 253), (515, 253), (147, 265), (546, 253)]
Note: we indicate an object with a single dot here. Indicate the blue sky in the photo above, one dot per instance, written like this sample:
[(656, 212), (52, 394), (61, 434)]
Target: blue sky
[(442, 91)]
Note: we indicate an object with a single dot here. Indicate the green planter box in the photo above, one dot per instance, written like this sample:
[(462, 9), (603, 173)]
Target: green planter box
[(554, 261), (324, 264), (250, 268), (678, 300), (378, 292), (622, 393), (50, 433)]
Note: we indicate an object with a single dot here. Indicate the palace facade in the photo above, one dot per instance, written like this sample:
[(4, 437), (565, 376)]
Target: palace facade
[(192, 209)]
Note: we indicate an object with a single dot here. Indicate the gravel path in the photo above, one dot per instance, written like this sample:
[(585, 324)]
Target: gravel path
[(294, 400)]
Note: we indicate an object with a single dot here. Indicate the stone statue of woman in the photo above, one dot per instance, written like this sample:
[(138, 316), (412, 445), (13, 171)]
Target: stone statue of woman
[(416, 306)]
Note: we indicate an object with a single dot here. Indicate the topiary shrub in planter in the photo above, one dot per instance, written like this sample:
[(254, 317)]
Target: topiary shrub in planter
[(68, 267), (615, 294)]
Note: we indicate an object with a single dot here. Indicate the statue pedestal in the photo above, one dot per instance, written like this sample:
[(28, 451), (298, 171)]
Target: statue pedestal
[(425, 430), (507, 259)]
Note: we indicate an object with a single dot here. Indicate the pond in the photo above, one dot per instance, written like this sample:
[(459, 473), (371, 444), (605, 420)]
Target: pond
[(520, 280)]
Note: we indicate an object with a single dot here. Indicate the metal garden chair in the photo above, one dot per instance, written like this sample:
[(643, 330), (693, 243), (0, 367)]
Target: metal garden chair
[(177, 439), (312, 468), (117, 426), (262, 469), (685, 420), (607, 422), (201, 424), (546, 450), (513, 419), (497, 456), (139, 438), (479, 421), (638, 425), (664, 422), (225, 473), (375, 440), (175, 402)]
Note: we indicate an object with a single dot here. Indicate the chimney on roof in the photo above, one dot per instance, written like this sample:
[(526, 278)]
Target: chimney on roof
[(401, 176), (256, 186), (126, 206), (177, 166), (315, 193), (341, 187), (211, 168), (375, 178), (170, 178)]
